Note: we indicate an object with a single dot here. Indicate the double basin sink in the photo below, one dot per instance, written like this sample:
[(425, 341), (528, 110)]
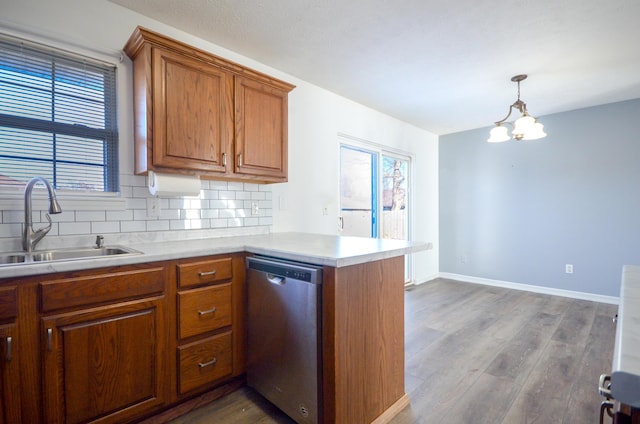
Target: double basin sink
[(53, 255)]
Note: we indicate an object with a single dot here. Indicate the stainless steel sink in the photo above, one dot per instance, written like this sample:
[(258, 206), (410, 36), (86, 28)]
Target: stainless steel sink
[(64, 255)]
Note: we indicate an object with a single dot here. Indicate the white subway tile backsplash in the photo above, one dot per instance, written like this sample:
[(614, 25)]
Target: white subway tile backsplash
[(126, 215), (220, 205), (74, 228), (11, 230), (227, 194), (227, 213), (251, 222), (210, 213), (9, 217), (160, 225), (258, 195), (218, 185), (170, 213), (133, 226), (141, 192), (235, 222), (91, 215), (105, 227)]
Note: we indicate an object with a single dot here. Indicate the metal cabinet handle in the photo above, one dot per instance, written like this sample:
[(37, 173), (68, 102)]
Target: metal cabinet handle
[(8, 353), (206, 364), (49, 339), (224, 159), (239, 160), (615, 318), (207, 273), (606, 406), (208, 311), (604, 386)]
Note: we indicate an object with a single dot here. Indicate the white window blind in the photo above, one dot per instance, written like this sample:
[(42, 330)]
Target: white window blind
[(57, 118)]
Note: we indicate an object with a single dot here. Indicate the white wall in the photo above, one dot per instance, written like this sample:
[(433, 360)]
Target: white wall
[(316, 117)]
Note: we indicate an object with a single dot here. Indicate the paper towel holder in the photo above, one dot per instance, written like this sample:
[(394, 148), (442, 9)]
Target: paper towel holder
[(173, 185)]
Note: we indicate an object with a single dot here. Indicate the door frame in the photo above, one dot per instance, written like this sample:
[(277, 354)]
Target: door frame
[(385, 150)]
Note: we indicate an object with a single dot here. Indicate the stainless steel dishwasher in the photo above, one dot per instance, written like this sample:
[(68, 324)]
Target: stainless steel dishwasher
[(283, 342)]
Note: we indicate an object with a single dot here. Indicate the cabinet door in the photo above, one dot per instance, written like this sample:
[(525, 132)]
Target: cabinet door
[(261, 130), (107, 363), (192, 113), (9, 376)]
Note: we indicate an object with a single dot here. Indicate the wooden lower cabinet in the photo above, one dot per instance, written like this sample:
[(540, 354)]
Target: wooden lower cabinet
[(363, 342), (204, 361), (9, 375), (210, 314), (105, 364), (9, 356)]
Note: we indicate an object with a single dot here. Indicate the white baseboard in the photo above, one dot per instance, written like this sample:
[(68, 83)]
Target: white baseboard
[(535, 289)]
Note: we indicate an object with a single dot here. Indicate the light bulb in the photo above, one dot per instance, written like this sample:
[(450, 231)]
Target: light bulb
[(498, 134)]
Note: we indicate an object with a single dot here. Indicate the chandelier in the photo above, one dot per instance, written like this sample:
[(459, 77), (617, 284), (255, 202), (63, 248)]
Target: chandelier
[(524, 128)]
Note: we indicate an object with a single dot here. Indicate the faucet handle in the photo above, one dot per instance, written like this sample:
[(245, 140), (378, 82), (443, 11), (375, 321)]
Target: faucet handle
[(99, 242), (48, 227), (41, 232)]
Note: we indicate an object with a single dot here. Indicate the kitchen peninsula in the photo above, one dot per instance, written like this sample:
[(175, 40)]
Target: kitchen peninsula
[(362, 320)]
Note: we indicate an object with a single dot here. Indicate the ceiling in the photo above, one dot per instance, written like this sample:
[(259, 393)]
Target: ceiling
[(444, 66)]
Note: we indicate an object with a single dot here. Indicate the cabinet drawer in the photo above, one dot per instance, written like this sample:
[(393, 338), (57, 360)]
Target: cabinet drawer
[(209, 271), (204, 361), (8, 305), (204, 309), (101, 287)]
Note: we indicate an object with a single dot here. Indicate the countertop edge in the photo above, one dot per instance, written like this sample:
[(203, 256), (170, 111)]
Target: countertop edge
[(625, 376), (284, 245)]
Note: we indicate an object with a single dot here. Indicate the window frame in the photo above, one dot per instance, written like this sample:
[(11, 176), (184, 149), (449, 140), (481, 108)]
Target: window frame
[(109, 135)]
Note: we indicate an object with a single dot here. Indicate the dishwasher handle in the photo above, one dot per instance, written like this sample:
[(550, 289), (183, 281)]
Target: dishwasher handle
[(275, 279)]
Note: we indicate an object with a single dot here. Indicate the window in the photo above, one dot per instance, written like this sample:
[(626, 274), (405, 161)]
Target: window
[(57, 118)]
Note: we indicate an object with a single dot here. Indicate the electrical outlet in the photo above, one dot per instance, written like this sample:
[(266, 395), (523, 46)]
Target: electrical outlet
[(463, 259), (568, 268), (325, 211), (153, 207), (255, 210)]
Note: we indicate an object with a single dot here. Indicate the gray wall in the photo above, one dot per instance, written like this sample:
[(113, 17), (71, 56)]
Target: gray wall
[(519, 211)]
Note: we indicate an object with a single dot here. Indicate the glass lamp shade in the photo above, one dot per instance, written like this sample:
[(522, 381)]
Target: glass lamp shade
[(522, 126), (536, 132), (498, 134)]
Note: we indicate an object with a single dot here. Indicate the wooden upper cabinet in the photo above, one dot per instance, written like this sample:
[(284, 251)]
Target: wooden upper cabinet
[(261, 129), (193, 123), (197, 113)]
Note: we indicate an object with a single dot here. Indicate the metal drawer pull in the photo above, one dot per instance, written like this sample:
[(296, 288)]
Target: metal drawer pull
[(204, 274), (206, 364), (240, 160), (224, 160), (49, 339), (8, 357), (615, 318), (208, 311)]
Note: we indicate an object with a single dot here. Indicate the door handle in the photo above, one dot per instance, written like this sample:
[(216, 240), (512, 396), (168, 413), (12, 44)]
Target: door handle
[(8, 354), (49, 339), (274, 279)]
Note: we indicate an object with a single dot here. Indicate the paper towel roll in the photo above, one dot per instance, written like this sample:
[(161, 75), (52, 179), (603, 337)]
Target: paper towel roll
[(173, 185)]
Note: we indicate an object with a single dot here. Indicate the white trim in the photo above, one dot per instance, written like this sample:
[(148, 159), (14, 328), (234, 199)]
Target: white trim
[(531, 288)]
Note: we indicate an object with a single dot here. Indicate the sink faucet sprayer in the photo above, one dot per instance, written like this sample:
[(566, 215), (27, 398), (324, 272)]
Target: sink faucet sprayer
[(29, 237)]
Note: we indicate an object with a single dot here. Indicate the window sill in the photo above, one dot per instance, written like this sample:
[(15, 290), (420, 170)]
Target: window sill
[(12, 200)]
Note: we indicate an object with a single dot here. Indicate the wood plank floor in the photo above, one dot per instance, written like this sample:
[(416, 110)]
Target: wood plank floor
[(479, 354)]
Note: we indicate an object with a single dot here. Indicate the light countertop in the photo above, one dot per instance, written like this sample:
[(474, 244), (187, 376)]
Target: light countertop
[(318, 249), (625, 376)]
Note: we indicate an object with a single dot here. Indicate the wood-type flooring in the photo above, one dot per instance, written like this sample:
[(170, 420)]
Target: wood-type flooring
[(478, 354)]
